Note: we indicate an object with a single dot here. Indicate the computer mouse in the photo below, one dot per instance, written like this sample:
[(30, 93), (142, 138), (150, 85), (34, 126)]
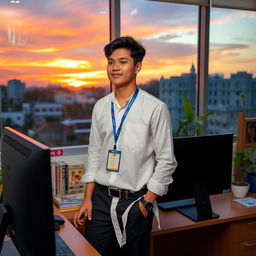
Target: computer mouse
[(58, 219)]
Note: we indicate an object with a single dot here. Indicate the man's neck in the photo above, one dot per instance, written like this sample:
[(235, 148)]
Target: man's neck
[(123, 93)]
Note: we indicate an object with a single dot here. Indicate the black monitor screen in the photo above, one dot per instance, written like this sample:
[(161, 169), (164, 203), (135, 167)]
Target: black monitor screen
[(205, 159), (27, 193)]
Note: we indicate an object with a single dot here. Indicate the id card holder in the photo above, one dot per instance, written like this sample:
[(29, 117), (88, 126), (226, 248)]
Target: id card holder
[(113, 160)]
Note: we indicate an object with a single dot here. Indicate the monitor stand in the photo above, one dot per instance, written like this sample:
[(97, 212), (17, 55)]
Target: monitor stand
[(203, 209)]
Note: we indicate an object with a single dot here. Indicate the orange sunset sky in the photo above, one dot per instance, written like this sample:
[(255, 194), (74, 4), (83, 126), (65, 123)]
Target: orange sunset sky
[(61, 41)]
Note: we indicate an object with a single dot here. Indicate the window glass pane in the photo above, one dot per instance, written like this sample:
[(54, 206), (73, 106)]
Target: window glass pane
[(169, 33), (232, 68), (52, 67)]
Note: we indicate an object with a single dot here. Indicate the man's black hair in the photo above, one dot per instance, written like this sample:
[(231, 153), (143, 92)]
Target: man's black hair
[(137, 50)]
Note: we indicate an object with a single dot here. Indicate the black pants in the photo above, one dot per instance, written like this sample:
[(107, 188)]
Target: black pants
[(100, 232)]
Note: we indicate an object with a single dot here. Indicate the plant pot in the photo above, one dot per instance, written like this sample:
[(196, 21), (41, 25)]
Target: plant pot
[(251, 178), (239, 190)]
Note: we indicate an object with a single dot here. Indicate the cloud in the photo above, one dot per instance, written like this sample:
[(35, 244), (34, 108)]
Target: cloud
[(159, 49), (43, 37), (164, 14), (134, 12), (35, 34), (229, 46)]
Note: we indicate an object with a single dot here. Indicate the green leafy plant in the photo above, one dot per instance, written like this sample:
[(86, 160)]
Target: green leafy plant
[(190, 126), (243, 165)]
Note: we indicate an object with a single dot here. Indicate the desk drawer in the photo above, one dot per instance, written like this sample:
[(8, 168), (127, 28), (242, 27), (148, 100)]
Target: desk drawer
[(243, 231), (247, 248)]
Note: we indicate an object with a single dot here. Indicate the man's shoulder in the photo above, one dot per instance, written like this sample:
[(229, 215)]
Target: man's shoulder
[(150, 99), (103, 100)]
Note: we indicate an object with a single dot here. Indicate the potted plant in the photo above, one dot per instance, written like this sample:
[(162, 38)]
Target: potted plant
[(243, 165), (251, 173), (190, 126)]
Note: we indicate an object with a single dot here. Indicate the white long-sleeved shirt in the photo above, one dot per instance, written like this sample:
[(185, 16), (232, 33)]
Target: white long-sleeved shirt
[(145, 142)]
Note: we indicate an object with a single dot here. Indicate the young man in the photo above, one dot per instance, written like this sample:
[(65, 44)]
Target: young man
[(130, 158)]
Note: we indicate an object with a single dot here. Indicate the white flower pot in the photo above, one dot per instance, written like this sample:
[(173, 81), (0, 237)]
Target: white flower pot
[(239, 190)]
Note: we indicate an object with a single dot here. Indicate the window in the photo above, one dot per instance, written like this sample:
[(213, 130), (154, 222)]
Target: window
[(50, 50), (233, 54), (169, 33)]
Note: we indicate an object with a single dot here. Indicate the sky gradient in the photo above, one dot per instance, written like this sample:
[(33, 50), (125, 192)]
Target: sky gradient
[(61, 42)]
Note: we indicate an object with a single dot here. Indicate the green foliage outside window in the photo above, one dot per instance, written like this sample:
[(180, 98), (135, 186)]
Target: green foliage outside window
[(190, 126)]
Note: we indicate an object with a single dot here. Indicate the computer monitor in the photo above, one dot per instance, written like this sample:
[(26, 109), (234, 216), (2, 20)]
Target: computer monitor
[(206, 159), (27, 193)]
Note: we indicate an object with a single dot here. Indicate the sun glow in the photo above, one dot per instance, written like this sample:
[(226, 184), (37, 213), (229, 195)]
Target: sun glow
[(68, 63), (43, 50), (92, 74), (83, 79), (75, 82)]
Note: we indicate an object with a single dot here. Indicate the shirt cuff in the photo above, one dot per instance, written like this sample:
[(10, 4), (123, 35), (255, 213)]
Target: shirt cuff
[(88, 178), (157, 188)]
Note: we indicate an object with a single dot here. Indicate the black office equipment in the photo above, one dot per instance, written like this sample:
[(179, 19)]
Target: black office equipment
[(202, 210), (58, 219), (61, 247), (27, 194), (206, 159)]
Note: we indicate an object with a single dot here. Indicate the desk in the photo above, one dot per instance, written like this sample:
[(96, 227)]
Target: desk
[(73, 238), (77, 243), (233, 234)]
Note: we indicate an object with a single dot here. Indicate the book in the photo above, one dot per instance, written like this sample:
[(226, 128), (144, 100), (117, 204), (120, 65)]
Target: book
[(59, 177), (53, 171), (68, 202), (247, 201), (69, 199), (75, 173), (69, 210), (63, 177)]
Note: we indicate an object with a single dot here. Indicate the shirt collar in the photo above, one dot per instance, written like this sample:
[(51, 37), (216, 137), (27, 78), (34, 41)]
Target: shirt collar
[(113, 98)]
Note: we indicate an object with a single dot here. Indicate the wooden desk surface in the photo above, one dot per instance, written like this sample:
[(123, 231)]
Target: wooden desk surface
[(77, 243), (222, 204)]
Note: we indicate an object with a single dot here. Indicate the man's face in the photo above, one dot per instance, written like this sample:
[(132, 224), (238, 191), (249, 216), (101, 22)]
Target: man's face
[(121, 69)]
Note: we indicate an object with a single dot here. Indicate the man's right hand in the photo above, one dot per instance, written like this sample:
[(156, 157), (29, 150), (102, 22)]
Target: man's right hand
[(84, 212)]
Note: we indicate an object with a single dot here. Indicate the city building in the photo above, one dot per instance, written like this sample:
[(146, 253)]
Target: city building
[(15, 90), (226, 97), (45, 110), (68, 132), (13, 118), (172, 90)]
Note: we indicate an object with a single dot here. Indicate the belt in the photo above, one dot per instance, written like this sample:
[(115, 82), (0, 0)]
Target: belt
[(122, 193)]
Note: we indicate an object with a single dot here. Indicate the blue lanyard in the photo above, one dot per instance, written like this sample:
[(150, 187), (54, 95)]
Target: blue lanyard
[(117, 133)]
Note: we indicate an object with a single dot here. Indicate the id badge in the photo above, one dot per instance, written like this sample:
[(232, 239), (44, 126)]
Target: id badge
[(113, 161)]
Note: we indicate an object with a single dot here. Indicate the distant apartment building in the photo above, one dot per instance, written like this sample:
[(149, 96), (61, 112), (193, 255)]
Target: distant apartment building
[(44, 110), (13, 118), (79, 129), (172, 90), (27, 108), (3, 91), (226, 97), (64, 97), (71, 98), (15, 90), (79, 126), (68, 132)]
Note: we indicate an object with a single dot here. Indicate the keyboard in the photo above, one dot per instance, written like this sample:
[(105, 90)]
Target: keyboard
[(62, 248), (176, 204)]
